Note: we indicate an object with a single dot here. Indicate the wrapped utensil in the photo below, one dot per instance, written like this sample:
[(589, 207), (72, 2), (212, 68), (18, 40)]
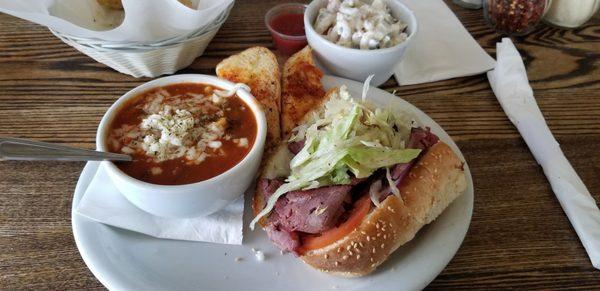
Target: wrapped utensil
[(511, 86)]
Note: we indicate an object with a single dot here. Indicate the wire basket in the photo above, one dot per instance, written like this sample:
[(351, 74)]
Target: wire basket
[(148, 59)]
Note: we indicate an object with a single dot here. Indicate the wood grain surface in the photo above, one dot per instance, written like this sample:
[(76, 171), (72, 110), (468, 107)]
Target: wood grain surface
[(519, 237)]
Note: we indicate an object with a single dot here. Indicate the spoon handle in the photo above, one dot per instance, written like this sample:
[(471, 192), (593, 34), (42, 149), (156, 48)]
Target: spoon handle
[(29, 150)]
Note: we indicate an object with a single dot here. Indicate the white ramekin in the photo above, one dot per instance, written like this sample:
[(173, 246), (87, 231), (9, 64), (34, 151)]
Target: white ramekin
[(189, 200), (358, 64)]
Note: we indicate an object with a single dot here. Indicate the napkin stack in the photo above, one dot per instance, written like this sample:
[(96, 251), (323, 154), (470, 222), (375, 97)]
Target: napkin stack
[(102, 202), (442, 48), (510, 84)]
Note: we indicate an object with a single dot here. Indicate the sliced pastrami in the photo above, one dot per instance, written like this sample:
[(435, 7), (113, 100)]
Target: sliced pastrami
[(287, 241), (296, 146), (421, 138), (269, 186), (312, 211)]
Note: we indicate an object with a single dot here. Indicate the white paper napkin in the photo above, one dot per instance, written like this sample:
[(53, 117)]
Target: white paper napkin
[(510, 84), (143, 21), (442, 48), (102, 202)]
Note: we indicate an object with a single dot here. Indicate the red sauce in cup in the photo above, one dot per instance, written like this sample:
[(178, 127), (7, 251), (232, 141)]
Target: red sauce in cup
[(286, 23), (289, 24)]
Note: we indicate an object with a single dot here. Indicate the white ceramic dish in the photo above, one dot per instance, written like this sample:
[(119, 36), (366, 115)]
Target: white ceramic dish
[(358, 64), (123, 260), (189, 200)]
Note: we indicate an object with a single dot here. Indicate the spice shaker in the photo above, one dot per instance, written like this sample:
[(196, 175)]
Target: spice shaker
[(514, 17), (571, 13), (469, 4)]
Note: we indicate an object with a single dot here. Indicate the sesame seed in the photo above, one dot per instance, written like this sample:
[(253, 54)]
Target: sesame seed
[(368, 238), (351, 253), (345, 257), (348, 247), (385, 236), (361, 244), (373, 265), (371, 259), (358, 257), (363, 232), (382, 246), (391, 209), (374, 250), (337, 263)]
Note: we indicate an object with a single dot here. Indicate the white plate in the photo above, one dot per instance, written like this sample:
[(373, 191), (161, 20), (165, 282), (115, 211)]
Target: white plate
[(124, 260)]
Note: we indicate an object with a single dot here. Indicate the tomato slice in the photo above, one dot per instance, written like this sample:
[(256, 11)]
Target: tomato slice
[(360, 210)]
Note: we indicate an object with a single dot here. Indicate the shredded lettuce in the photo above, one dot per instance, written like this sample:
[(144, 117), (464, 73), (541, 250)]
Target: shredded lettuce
[(391, 183), (346, 137), (375, 158), (374, 190)]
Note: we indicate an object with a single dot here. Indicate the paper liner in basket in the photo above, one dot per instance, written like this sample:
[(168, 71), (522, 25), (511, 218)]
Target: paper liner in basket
[(144, 21)]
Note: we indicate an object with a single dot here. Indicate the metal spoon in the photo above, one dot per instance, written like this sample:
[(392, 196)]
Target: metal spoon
[(29, 150)]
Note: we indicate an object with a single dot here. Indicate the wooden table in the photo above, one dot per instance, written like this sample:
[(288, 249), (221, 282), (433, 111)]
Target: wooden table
[(519, 236)]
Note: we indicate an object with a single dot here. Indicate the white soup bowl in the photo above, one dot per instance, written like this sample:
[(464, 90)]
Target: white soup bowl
[(188, 200)]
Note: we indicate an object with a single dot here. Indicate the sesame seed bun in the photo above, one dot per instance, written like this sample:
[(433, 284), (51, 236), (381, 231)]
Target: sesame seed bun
[(431, 185), (436, 180)]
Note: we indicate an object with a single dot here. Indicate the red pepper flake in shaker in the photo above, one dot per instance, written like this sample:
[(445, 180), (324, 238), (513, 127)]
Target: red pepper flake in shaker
[(514, 17)]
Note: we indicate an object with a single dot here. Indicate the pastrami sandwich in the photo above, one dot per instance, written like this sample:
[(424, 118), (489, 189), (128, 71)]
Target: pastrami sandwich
[(352, 184)]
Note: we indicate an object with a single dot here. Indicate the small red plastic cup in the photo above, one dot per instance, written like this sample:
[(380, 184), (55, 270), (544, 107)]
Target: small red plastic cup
[(286, 24)]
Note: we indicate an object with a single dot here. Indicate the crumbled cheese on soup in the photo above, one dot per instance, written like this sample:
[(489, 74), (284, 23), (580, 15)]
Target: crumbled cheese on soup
[(241, 142), (156, 170), (176, 127), (173, 125)]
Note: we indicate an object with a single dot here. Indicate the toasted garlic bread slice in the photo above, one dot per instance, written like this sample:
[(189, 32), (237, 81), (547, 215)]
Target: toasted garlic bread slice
[(257, 67), (302, 89)]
